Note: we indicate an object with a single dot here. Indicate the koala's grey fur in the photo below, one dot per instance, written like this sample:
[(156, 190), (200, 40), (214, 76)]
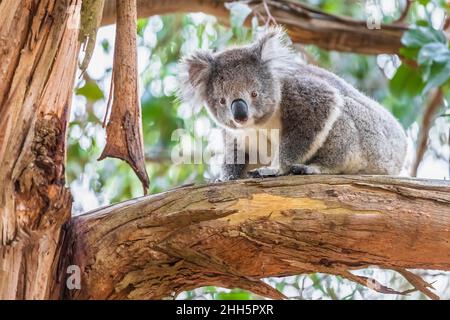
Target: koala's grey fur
[(326, 125)]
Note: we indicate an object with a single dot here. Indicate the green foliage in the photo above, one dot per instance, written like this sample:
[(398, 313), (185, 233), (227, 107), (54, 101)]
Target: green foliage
[(141, 25), (417, 37), (429, 47), (407, 83), (426, 66), (90, 91), (236, 294)]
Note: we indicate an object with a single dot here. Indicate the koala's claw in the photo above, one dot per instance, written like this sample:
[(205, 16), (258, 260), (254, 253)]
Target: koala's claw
[(264, 172), (301, 169)]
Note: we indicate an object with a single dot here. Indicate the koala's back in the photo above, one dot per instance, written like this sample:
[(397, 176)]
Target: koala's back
[(365, 138)]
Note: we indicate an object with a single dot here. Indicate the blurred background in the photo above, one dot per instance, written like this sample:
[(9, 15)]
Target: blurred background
[(403, 89)]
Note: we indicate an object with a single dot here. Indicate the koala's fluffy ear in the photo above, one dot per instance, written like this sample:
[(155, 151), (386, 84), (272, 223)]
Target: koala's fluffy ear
[(274, 50), (193, 73)]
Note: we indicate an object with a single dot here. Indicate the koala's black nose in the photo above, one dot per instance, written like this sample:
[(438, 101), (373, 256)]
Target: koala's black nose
[(240, 110)]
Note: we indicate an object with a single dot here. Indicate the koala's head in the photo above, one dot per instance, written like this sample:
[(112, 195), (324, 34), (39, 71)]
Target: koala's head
[(239, 86)]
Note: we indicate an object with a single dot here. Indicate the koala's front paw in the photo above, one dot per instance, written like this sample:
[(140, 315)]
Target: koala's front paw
[(264, 172), (301, 169)]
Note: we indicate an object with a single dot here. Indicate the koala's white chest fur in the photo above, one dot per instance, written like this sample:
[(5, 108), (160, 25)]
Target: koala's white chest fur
[(262, 141)]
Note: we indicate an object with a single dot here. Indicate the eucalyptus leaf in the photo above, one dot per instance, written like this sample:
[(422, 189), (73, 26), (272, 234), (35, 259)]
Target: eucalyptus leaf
[(426, 70), (406, 83), (420, 36), (410, 53), (439, 74), (435, 51)]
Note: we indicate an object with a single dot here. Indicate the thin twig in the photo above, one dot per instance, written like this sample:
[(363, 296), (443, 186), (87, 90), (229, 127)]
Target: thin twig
[(405, 12), (270, 18), (372, 284), (158, 157), (418, 283), (447, 23), (427, 120), (110, 98)]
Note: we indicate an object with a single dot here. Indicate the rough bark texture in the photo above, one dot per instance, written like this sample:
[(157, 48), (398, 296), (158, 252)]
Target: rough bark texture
[(233, 234), (124, 130), (38, 52), (303, 24)]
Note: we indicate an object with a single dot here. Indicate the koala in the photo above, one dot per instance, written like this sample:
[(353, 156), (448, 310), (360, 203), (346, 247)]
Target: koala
[(325, 125)]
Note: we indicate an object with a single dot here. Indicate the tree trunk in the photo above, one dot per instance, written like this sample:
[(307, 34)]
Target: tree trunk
[(38, 54), (233, 234)]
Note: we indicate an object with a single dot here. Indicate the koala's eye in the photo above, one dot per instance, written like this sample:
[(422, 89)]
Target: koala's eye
[(254, 94), (222, 101)]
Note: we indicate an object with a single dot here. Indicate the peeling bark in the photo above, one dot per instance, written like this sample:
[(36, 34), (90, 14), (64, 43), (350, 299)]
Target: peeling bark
[(91, 17), (124, 130), (233, 234), (38, 49)]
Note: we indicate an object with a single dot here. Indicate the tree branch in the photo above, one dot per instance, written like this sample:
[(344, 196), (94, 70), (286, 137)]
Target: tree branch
[(304, 24), (234, 234)]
